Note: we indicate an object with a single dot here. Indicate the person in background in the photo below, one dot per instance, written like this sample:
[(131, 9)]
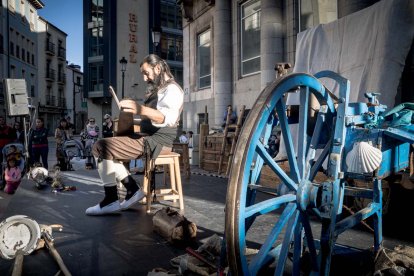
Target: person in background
[(183, 138), (70, 125), (12, 175), (19, 133), (190, 138), (160, 115), (38, 143), (62, 133), (233, 116), (7, 135), (90, 136), (108, 127)]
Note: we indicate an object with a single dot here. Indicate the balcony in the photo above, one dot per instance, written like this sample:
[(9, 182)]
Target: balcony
[(62, 102), (50, 48), (61, 78), (50, 100), (50, 75), (62, 53)]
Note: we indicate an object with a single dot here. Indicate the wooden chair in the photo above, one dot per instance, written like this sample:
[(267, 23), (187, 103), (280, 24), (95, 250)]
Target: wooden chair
[(171, 161)]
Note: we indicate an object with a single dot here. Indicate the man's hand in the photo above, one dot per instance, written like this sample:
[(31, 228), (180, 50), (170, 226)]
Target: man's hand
[(130, 106)]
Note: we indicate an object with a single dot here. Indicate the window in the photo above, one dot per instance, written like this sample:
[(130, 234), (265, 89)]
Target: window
[(23, 55), (250, 37), (171, 47), (96, 10), (96, 77), (32, 87), (11, 48), (203, 59), (170, 15), (1, 44), (33, 62), (28, 57), (96, 39), (17, 51)]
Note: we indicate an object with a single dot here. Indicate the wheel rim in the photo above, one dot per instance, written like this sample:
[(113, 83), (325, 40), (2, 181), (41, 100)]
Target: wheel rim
[(243, 207)]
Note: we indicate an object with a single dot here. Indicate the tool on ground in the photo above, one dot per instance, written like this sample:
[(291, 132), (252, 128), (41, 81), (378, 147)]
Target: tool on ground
[(19, 235), (48, 239)]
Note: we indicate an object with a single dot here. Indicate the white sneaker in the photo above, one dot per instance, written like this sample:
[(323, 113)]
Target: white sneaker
[(108, 209), (134, 199)]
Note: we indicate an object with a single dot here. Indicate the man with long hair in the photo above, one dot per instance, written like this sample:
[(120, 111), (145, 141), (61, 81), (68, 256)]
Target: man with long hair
[(159, 119)]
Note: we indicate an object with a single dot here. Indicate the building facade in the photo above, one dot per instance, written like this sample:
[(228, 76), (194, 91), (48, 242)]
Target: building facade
[(122, 30), (231, 48), (51, 102), (75, 102), (19, 45)]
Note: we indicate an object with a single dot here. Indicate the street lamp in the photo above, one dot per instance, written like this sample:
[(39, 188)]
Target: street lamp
[(156, 37), (123, 62)]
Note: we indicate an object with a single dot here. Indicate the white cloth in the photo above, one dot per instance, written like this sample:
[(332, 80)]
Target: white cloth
[(183, 139), (170, 103), (368, 48)]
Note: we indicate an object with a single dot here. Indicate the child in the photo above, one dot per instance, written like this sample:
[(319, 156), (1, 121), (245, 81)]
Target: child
[(12, 175)]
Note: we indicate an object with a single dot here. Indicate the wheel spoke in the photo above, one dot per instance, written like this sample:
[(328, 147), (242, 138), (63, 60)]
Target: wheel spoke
[(262, 256), (303, 125), (286, 243), (310, 241), (269, 205), (259, 162), (319, 161), (287, 136), (260, 149), (297, 248), (310, 155)]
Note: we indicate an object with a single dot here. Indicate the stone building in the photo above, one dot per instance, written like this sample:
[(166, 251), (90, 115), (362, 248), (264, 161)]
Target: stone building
[(122, 30), (231, 48), (19, 45)]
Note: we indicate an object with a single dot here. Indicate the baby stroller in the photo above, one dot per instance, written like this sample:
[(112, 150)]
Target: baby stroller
[(17, 150), (71, 148)]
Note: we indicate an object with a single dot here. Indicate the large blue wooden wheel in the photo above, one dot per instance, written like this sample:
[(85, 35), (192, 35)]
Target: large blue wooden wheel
[(288, 206)]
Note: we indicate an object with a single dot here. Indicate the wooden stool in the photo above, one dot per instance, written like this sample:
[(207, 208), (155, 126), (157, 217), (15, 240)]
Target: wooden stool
[(175, 191)]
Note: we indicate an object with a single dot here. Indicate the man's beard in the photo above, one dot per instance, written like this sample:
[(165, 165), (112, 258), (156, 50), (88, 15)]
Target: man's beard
[(154, 85)]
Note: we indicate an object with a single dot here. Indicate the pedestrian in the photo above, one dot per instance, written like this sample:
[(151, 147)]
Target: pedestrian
[(7, 135), (183, 138), (38, 143), (63, 133), (108, 127), (160, 116), (190, 138), (90, 136), (70, 125), (19, 133)]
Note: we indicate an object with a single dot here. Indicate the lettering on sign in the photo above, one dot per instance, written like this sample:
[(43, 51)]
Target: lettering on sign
[(133, 40)]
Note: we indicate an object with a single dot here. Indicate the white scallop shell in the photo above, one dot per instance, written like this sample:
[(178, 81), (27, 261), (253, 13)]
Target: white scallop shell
[(363, 158)]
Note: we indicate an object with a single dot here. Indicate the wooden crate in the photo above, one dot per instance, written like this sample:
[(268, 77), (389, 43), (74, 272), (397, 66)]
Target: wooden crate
[(211, 152)]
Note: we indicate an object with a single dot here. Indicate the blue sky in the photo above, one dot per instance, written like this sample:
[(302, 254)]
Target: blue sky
[(68, 17)]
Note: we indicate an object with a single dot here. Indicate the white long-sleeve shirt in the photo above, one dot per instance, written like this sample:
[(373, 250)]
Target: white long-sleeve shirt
[(170, 103)]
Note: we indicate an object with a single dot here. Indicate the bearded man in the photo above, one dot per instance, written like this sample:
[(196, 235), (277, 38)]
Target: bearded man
[(159, 120)]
